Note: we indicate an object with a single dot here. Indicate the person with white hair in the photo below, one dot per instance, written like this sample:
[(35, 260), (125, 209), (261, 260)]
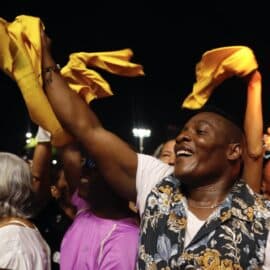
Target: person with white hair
[(21, 246)]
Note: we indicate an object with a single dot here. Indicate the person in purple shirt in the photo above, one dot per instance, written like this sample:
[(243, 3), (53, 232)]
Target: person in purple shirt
[(105, 232)]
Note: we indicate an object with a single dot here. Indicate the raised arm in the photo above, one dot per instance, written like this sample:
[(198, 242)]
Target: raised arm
[(41, 167), (115, 158), (253, 127), (71, 157)]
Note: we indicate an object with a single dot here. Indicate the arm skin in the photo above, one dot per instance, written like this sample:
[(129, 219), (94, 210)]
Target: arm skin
[(253, 127), (115, 158), (71, 157), (40, 170)]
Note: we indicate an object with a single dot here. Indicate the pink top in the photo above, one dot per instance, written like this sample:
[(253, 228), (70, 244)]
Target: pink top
[(93, 243)]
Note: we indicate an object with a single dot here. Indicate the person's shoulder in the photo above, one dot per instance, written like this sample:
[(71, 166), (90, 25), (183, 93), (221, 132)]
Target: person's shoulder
[(262, 205), (127, 225), (10, 233), (147, 161), (123, 233), (152, 170), (266, 202), (14, 238)]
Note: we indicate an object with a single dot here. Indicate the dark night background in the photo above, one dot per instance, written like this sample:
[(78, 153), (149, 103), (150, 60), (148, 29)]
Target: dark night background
[(167, 38)]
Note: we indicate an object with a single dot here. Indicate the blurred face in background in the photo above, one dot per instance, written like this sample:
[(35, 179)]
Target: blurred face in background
[(167, 153)]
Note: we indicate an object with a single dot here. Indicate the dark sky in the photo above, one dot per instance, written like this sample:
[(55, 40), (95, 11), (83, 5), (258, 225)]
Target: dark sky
[(167, 38)]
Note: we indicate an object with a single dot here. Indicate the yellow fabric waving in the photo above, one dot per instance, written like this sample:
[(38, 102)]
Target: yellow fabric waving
[(5, 54), (20, 58), (214, 67), (88, 83), (22, 62)]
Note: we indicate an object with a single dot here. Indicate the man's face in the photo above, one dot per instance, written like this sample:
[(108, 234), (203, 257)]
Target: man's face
[(201, 148)]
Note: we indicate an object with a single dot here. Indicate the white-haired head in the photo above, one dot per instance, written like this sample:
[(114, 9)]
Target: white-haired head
[(17, 198)]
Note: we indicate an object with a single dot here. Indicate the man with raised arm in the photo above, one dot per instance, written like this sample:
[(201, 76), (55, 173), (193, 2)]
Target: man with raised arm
[(197, 214)]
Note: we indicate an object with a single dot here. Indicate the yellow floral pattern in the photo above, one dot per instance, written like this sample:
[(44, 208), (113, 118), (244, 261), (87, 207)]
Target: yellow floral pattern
[(233, 238)]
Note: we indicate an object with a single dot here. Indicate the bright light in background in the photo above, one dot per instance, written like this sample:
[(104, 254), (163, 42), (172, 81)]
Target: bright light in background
[(28, 135), (141, 133), (54, 161)]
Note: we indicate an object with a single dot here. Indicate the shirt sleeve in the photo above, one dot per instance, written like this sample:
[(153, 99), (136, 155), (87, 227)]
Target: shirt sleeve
[(10, 251), (23, 248), (43, 135), (15, 259), (150, 171)]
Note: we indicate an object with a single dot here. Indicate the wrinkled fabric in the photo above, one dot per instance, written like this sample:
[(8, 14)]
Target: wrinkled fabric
[(94, 243), (20, 59), (23, 248), (233, 237), (88, 83), (216, 66)]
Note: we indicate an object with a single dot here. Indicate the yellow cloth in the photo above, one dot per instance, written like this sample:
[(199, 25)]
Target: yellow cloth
[(20, 58), (88, 83), (215, 66)]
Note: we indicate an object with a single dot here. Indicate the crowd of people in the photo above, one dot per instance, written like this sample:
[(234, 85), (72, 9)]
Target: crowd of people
[(202, 199)]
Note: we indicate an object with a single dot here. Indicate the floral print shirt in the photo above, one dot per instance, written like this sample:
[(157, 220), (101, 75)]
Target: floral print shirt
[(233, 237)]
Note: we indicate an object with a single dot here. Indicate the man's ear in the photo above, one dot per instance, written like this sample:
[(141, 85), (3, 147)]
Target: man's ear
[(234, 151)]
